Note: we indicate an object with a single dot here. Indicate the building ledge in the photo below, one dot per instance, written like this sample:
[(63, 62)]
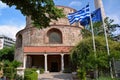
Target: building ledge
[(46, 49)]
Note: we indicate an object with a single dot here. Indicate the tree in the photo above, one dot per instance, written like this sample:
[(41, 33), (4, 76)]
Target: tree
[(10, 70), (41, 11), (85, 33), (110, 27), (84, 57), (117, 38), (7, 62), (99, 30), (7, 53)]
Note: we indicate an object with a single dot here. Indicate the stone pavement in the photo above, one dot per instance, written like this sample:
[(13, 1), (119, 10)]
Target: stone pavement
[(55, 76)]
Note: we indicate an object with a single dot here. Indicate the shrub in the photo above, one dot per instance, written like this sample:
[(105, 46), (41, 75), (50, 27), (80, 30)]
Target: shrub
[(10, 72), (30, 74), (81, 74), (9, 69), (106, 78), (18, 77), (41, 70)]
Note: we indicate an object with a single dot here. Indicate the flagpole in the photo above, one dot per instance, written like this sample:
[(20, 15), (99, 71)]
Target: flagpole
[(94, 47), (107, 45), (93, 38)]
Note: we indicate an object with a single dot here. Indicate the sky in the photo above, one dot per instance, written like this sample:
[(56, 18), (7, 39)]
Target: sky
[(12, 20)]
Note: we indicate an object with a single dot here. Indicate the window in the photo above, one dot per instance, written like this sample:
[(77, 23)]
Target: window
[(19, 41), (55, 36)]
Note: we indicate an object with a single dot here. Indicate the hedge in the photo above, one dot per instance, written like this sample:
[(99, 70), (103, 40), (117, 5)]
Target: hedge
[(30, 74)]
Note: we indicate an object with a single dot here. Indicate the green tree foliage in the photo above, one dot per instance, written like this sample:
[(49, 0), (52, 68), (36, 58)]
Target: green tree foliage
[(7, 53), (84, 57), (41, 11), (99, 30), (13, 64), (117, 38), (86, 33), (30, 74), (8, 64), (110, 27), (9, 69), (10, 73)]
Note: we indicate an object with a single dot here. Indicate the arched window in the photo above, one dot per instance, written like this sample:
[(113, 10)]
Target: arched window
[(55, 36), (19, 41)]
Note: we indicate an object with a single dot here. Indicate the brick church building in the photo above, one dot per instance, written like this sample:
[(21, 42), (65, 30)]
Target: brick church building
[(47, 48)]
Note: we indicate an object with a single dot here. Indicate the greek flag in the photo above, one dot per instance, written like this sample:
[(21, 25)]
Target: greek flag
[(95, 15), (80, 15)]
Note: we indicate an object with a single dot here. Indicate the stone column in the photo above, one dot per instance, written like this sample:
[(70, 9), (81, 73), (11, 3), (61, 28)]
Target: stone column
[(29, 62), (62, 62), (45, 64), (24, 62)]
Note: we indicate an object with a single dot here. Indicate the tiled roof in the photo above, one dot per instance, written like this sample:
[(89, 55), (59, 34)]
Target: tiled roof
[(48, 49)]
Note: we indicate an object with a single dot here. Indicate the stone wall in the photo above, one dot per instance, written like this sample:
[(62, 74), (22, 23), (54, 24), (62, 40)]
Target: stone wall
[(39, 37), (19, 55)]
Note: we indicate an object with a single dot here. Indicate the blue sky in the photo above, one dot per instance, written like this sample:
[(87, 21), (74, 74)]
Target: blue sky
[(11, 20)]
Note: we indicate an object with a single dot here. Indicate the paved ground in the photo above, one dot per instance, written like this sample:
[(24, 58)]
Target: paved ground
[(55, 76)]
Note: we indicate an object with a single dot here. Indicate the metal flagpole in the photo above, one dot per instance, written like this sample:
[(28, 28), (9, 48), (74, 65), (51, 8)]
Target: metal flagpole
[(93, 35), (94, 47), (107, 45)]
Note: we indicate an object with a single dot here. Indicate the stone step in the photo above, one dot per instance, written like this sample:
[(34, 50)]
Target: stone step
[(55, 76)]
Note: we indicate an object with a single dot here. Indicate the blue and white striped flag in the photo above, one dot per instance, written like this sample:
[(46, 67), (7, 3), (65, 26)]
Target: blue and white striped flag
[(80, 15), (95, 15)]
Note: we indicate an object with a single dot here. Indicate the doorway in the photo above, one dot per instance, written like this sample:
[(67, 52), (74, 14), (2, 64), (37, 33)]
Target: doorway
[(54, 67), (54, 63)]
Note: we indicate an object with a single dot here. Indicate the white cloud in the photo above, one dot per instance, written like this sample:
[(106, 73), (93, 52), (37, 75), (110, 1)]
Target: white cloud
[(117, 32), (116, 19), (2, 5), (10, 30), (75, 3)]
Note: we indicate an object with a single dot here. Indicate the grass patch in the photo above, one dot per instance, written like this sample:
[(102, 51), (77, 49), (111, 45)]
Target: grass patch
[(105, 78)]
